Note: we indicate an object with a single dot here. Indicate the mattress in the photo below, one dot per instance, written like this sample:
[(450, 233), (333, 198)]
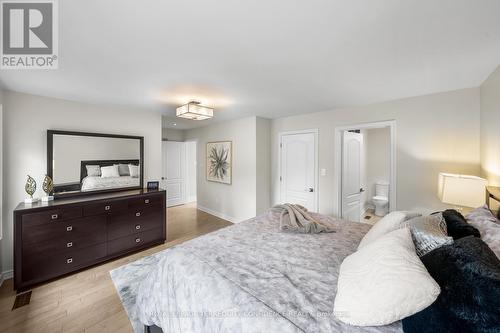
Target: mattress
[(250, 277), (92, 183)]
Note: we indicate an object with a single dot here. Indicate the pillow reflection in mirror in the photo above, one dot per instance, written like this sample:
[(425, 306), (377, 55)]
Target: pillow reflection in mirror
[(110, 171), (123, 169), (93, 170), (134, 170)]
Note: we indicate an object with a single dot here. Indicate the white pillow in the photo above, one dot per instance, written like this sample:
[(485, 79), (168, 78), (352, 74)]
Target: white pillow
[(383, 282), (110, 171), (390, 222), (134, 170), (93, 170)]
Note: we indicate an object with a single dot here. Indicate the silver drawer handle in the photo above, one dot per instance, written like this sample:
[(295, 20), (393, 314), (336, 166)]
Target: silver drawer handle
[(137, 240), (107, 207), (70, 244), (54, 216), (69, 228), (69, 260), (146, 201), (138, 227), (138, 214)]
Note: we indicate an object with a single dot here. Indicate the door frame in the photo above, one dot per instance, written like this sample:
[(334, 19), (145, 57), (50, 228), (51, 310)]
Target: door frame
[(338, 161), (188, 200), (315, 132)]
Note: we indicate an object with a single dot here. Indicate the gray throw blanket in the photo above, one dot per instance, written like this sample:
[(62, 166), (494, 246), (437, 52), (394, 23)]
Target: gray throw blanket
[(295, 218)]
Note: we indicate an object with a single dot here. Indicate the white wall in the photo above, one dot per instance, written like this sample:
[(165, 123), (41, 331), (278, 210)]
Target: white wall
[(172, 134), (438, 132), (378, 159), (263, 164), (236, 202), (70, 150), (26, 119), (490, 128), (191, 176)]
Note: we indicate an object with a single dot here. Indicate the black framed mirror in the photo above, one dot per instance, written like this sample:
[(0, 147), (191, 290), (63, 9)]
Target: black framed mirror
[(82, 163)]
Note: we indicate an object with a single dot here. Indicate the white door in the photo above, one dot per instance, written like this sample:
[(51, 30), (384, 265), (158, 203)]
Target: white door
[(174, 169), (352, 148), (298, 170)]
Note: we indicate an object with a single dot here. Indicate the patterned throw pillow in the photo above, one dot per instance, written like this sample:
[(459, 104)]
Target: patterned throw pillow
[(429, 233)]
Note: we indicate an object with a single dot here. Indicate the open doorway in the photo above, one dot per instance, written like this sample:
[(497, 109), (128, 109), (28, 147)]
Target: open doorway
[(365, 171), (179, 172)]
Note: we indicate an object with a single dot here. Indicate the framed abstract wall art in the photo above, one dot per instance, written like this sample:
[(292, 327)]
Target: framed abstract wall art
[(219, 161)]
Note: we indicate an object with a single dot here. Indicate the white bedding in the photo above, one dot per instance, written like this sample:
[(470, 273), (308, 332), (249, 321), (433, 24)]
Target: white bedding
[(92, 183), (212, 284)]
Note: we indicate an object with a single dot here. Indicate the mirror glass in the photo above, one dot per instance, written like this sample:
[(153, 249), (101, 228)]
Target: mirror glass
[(84, 163)]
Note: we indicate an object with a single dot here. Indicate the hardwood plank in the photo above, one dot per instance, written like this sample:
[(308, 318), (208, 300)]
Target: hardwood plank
[(87, 301)]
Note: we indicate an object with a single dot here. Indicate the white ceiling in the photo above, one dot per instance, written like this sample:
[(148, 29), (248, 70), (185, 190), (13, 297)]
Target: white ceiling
[(270, 58)]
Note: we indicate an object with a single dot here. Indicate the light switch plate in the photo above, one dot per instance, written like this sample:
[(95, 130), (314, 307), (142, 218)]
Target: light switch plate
[(323, 172)]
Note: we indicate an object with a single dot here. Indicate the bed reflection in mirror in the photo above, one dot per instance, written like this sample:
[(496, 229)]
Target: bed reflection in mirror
[(84, 162)]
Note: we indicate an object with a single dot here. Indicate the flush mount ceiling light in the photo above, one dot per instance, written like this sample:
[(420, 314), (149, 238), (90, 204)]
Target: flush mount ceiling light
[(194, 111)]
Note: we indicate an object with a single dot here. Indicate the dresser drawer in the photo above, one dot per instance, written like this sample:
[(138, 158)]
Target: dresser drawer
[(105, 207), (43, 267), (131, 242), (52, 215), (146, 201), (134, 221), (66, 243), (69, 229)]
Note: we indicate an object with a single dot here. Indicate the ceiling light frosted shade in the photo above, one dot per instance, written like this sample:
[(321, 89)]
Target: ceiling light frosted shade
[(460, 190), (194, 111)]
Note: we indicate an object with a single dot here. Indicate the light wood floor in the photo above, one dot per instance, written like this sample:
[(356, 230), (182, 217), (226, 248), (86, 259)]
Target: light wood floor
[(370, 217), (87, 301)]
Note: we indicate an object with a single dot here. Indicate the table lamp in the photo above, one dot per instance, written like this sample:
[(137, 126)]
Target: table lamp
[(462, 190)]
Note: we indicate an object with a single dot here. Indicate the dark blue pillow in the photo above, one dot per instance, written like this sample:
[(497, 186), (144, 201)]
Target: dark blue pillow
[(457, 226), (468, 273)]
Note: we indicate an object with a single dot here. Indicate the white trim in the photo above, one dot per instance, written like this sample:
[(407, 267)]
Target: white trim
[(337, 207), (9, 274), (314, 131), (218, 214)]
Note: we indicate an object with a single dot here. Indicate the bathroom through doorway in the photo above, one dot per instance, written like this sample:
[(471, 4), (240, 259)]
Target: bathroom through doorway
[(365, 171)]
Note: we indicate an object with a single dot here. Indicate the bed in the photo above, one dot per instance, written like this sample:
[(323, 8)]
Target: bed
[(95, 183), (211, 284)]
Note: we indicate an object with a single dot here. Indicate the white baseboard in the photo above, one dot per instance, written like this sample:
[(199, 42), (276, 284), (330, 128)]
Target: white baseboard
[(6, 275), (218, 214)]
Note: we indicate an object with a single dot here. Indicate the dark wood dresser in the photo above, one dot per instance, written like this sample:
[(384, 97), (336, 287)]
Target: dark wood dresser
[(66, 235)]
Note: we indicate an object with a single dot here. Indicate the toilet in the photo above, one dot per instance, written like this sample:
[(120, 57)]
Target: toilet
[(381, 198)]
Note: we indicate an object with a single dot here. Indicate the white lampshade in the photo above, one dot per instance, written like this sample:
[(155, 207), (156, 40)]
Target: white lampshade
[(461, 190), (194, 111)]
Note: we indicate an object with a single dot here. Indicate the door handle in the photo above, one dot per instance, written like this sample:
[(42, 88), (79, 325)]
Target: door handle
[(361, 190), (310, 189)]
